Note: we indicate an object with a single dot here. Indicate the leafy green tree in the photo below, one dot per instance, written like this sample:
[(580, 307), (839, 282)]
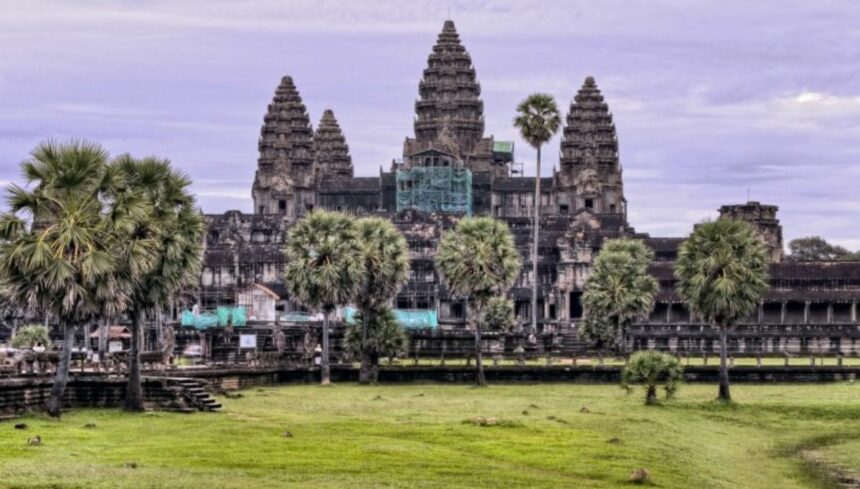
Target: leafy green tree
[(478, 260), (538, 120), (652, 368), (722, 273), (161, 258), (324, 268), (385, 258), (814, 248), (619, 291), (57, 246), (499, 315), (31, 335), (385, 338)]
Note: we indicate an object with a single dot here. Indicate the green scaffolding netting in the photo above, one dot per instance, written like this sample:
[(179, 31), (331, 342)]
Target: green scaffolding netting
[(435, 189), (410, 319), (239, 316), (223, 316)]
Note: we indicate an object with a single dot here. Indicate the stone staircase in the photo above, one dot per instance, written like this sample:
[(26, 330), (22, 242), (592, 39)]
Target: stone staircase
[(194, 393)]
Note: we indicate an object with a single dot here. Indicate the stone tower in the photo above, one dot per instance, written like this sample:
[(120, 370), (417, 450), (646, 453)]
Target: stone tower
[(284, 182), (763, 219), (590, 173), (449, 114), (332, 153)]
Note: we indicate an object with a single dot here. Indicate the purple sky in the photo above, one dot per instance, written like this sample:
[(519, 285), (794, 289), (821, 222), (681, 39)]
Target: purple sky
[(710, 97)]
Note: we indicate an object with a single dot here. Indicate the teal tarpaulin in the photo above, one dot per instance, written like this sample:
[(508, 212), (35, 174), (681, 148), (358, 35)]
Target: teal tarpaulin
[(408, 318), (224, 316)]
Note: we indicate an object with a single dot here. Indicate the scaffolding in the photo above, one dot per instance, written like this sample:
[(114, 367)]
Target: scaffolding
[(435, 189)]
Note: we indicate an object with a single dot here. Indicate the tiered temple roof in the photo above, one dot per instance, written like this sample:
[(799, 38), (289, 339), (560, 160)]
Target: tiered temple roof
[(286, 144), (332, 152), (449, 94), (589, 136)]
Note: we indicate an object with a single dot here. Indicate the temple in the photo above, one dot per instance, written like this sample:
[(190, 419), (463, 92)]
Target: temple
[(450, 168)]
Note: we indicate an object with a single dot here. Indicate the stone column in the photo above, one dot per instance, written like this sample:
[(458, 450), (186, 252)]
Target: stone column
[(782, 311), (668, 312), (829, 313), (853, 312), (806, 312), (760, 312)]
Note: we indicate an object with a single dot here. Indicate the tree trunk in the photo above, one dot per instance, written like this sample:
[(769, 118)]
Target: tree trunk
[(535, 244), (325, 369), (364, 370), (724, 368), (374, 370), (134, 390), (620, 339), (55, 402), (103, 341), (159, 329), (651, 395), (480, 379)]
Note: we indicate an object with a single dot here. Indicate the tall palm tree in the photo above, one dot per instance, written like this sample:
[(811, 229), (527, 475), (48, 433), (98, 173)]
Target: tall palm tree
[(324, 268), (722, 272), (385, 258), (56, 246), (478, 260), (538, 120), (161, 258), (618, 291)]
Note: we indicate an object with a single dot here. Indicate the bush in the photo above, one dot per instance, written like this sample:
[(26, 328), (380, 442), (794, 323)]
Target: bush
[(30, 336), (499, 315), (652, 368)]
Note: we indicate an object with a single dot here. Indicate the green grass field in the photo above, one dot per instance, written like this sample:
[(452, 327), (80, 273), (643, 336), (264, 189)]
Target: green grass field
[(348, 436)]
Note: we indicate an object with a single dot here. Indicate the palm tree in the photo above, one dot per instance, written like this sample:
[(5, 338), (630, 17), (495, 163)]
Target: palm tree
[(324, 268), (161, 258), (56, 247), (385, 258), (618, 291), (478, 260), (652, 368), (538, 120), (722, 272)]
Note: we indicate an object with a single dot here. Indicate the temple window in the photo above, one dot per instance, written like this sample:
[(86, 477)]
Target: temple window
[(282, 206), (589, 204), (563, 209)]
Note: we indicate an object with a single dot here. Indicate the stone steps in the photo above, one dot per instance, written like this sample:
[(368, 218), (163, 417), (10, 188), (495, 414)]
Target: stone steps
[(194, 392)]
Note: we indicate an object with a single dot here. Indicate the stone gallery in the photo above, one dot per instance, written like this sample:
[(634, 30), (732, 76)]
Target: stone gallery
[(450, 168)]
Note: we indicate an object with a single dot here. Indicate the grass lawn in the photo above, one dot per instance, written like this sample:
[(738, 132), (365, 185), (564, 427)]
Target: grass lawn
[(348, 436)]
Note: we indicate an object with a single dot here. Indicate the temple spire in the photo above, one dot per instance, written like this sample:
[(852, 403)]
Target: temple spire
[(449, 93), (589, 153), (286, 148), (332, 152)]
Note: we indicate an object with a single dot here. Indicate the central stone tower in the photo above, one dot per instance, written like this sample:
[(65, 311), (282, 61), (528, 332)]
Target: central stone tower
[(449, 122)]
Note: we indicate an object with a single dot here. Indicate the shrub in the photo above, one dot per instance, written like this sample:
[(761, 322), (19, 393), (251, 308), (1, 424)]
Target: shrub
[(651, 369), (30, 336)]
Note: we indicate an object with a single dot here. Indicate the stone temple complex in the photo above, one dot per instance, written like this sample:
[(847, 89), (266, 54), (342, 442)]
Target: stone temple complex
[(450, 168)]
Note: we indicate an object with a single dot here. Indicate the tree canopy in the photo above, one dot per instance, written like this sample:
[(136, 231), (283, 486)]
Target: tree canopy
[(814, 248), (619, 291), (537, 118)]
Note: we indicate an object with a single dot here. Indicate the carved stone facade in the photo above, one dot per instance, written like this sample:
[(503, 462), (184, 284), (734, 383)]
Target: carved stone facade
[(583, 205)]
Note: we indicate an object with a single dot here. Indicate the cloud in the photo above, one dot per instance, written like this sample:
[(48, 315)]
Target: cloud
[(709, 99)]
